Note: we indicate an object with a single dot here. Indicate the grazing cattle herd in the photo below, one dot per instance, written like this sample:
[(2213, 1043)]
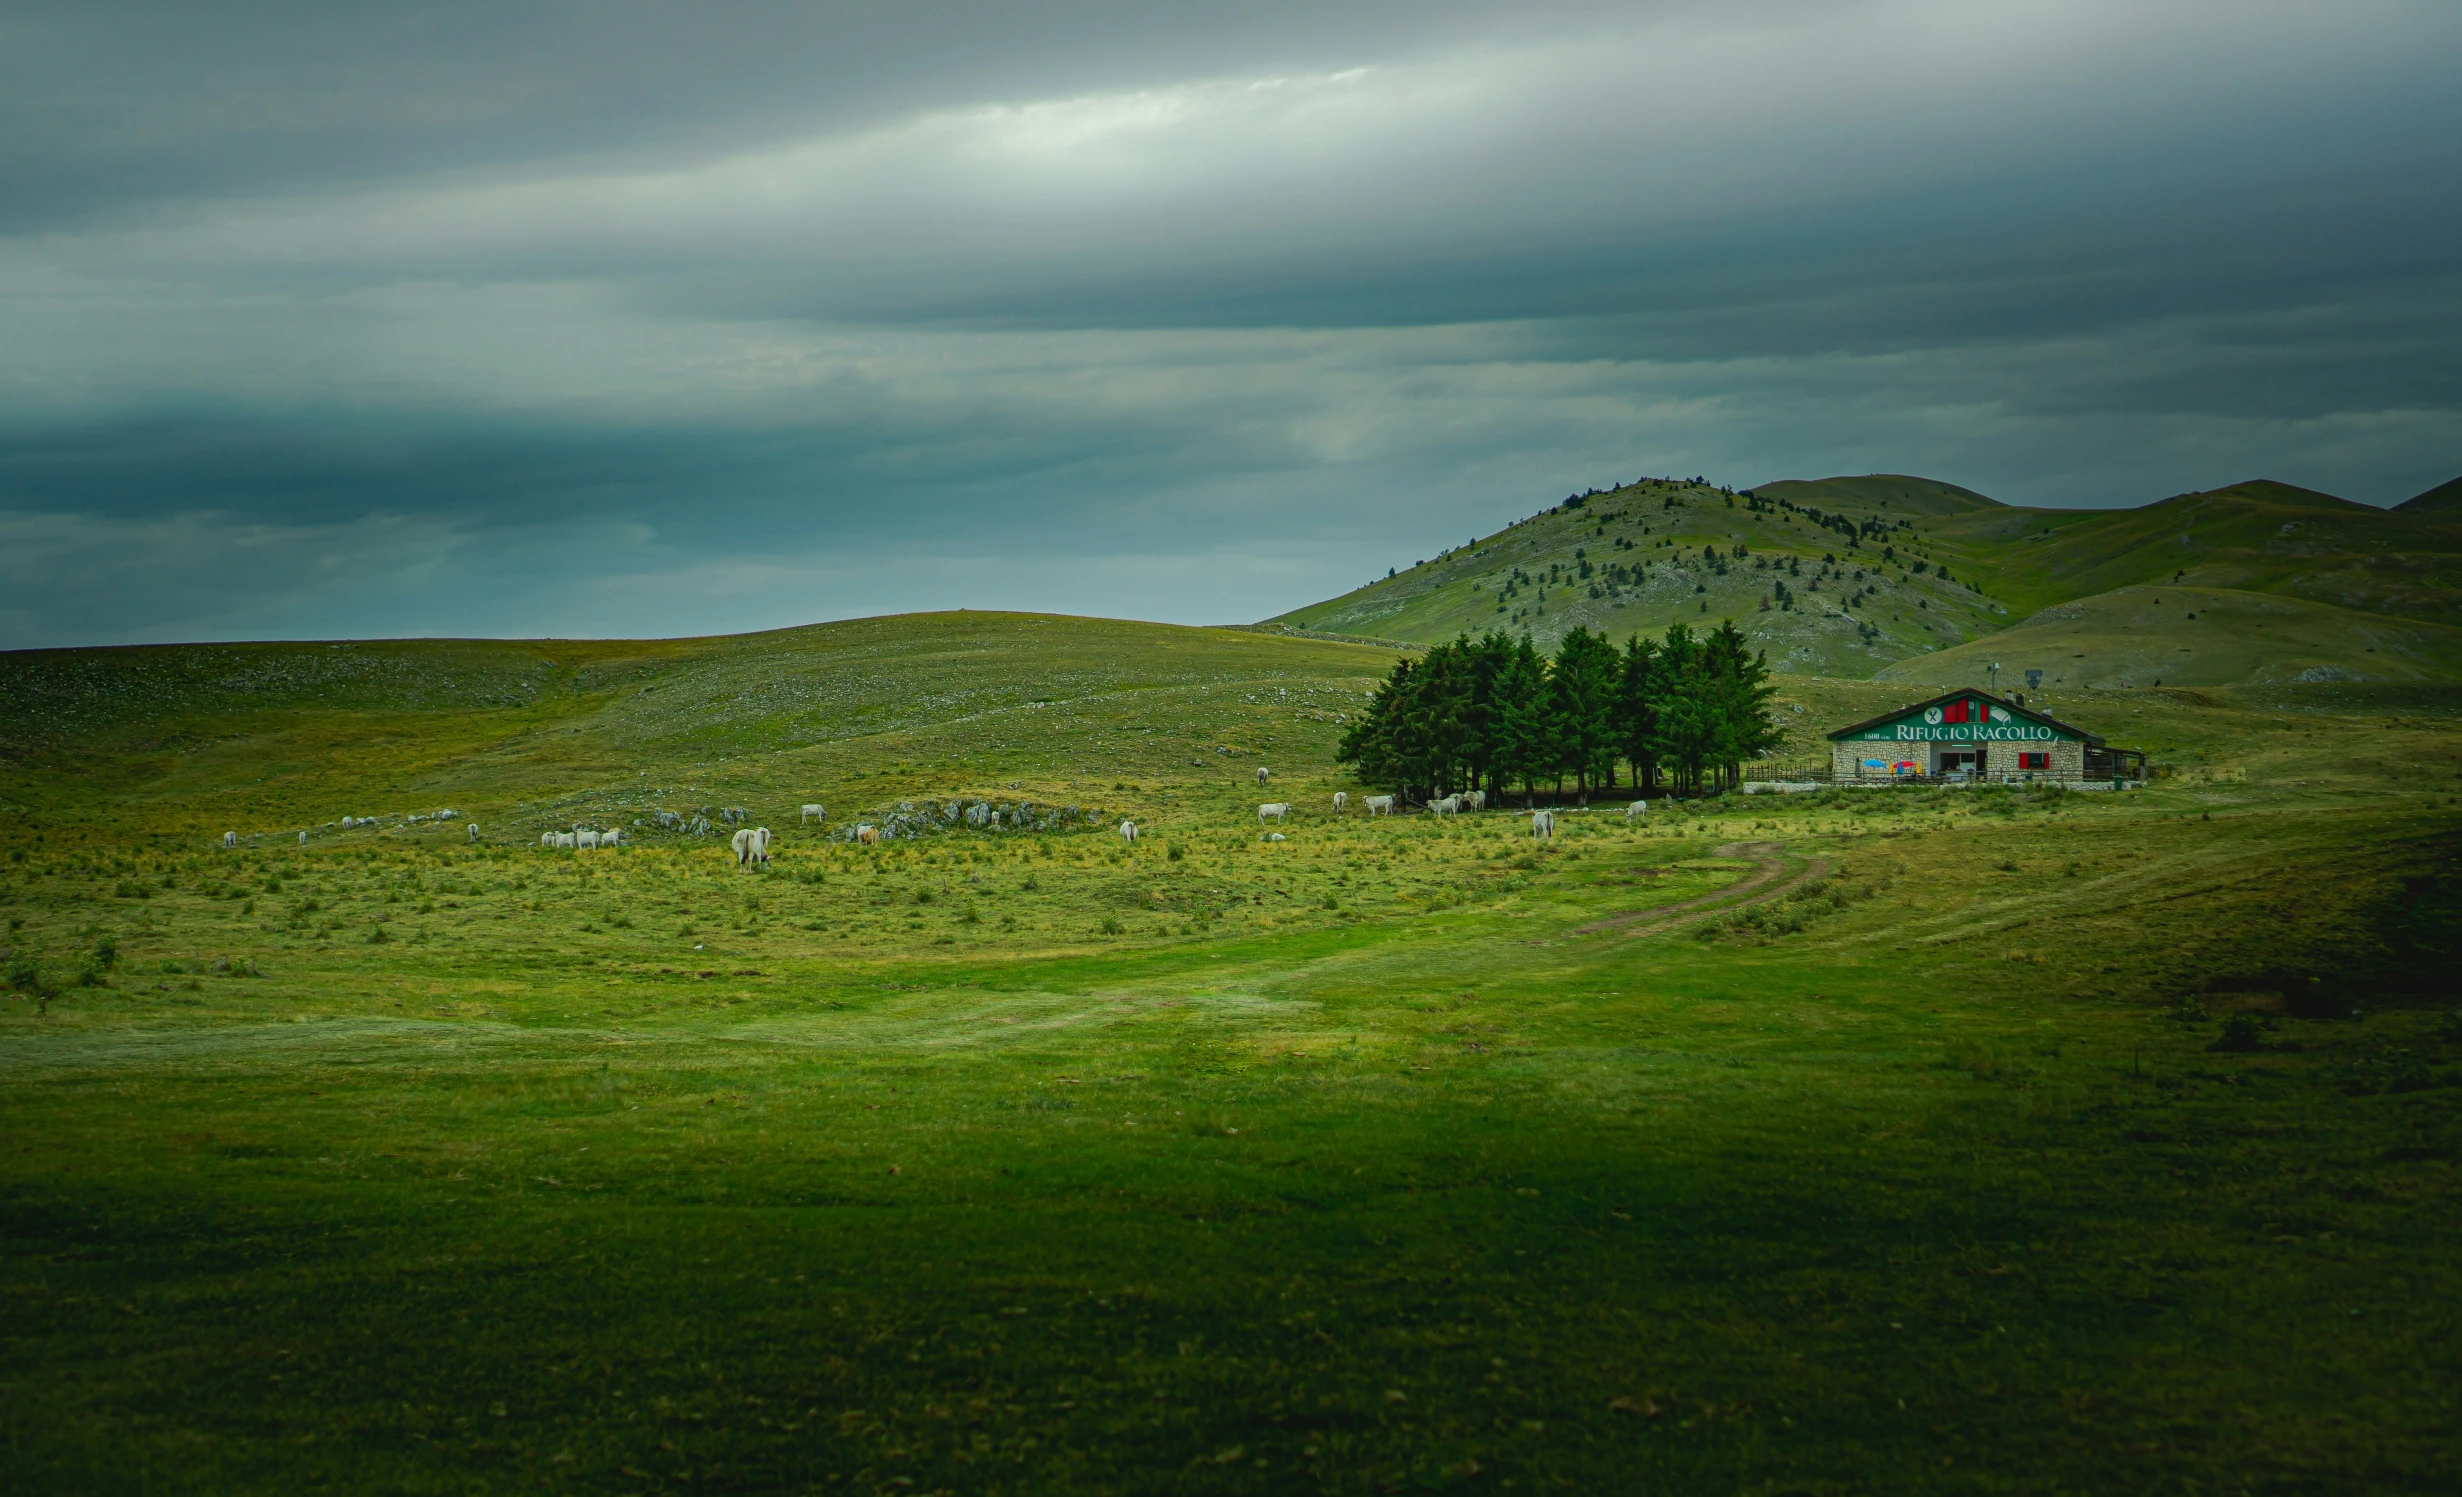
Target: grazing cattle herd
[(750, 846)]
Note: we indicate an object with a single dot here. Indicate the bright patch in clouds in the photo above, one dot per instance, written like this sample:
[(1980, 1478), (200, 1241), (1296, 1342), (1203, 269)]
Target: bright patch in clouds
[(1062, 310)]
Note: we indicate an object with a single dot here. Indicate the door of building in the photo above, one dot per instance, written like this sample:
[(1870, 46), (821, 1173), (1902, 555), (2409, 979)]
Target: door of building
[(1961, 761)]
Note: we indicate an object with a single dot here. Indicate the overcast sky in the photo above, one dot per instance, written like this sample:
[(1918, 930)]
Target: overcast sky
[(637, 318)]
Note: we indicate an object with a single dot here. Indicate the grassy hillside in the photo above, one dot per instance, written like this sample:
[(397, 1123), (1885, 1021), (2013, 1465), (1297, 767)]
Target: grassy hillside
[(2196, 636), (1875, 615), (2255, 537), (2444, 499), (1871, 1141), (184, 739), (1896, 492), (1636, 559)]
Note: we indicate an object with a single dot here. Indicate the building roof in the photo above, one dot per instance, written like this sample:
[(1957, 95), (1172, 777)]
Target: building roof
[(1969, 693)]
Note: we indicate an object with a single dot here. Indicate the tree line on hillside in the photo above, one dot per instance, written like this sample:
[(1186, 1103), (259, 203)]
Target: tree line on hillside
[(1490, 713)]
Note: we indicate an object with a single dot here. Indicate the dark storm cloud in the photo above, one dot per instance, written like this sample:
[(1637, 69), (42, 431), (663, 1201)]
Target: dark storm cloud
[(115, 105), (652, 319)]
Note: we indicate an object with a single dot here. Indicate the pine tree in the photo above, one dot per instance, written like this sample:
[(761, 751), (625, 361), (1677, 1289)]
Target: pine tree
[(1368, 744), (1739, 687), (1637, 710), (1583, 688), (1685, 735), (1522, 736)]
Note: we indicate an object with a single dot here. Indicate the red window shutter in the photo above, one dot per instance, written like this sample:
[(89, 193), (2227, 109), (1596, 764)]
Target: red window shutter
[(1955, 714)]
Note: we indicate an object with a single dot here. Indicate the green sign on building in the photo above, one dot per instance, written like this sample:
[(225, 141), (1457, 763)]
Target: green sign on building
[(1971, 735)]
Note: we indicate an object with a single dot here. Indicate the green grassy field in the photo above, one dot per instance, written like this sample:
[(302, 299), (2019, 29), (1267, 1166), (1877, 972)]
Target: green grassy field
[(1863, 1142)]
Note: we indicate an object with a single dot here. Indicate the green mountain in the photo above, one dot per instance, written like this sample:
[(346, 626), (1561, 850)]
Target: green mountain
[(1837, 588), (1844, 577)]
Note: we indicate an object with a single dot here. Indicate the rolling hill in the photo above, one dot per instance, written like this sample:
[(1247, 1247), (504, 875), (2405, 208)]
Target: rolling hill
[(1897, 492), (2195, 636), (2257, 537), (2445, 498), (1638, 558), (531, 734), (1823, 593)]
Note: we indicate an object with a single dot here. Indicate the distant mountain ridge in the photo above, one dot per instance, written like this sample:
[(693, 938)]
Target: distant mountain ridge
[(1863, 576), (1894, 491), (2445, 498)]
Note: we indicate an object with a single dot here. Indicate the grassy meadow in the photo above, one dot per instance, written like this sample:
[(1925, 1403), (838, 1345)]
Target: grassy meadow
[(1875, 1141)]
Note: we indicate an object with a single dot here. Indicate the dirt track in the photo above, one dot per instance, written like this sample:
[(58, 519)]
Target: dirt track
[(1759, 887)]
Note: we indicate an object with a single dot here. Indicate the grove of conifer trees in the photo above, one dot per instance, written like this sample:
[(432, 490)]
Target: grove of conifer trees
[(1494, 714)]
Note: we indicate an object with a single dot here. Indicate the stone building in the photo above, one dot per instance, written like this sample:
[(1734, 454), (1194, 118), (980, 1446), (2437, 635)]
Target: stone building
[(1974, 735)]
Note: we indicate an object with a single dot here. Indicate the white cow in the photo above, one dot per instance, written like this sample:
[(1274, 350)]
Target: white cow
[(474, 831), (1380, 805), (1640, 808), (1262, 772), (1341, 798), (1451, 805), (868, 835), (812, 811), (303, 839), (610, 839), (586, 840), (230, 839), (1543, 824), (568, 841), (547, 839), (1128, 831), (1474, 800), (1273, 810), (751, 846), (1275, 837)]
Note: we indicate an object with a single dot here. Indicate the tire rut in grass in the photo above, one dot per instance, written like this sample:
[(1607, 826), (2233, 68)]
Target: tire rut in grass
[(1761, 886)]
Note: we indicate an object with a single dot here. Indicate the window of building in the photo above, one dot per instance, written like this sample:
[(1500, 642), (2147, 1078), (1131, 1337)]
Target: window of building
[(2034, 761)]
